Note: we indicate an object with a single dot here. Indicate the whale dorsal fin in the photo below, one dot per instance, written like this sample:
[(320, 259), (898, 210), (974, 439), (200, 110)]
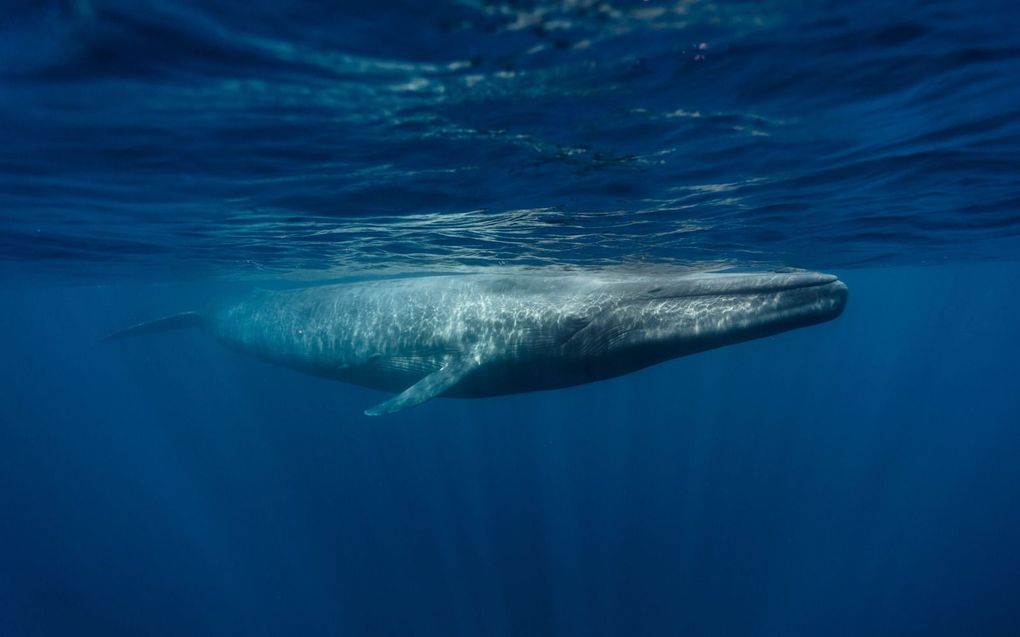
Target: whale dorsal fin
[(165, 324), (427, 388)]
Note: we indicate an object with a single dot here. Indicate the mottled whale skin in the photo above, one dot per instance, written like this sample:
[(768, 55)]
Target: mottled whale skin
[(471, 336)]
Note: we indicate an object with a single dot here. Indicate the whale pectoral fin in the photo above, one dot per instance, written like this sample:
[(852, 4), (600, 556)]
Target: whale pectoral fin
[(426, 389)]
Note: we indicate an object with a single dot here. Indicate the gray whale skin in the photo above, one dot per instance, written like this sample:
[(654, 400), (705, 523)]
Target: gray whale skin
[(476, 335)]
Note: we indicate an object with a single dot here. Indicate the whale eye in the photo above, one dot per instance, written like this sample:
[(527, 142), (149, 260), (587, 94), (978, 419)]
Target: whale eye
[(655, 290)]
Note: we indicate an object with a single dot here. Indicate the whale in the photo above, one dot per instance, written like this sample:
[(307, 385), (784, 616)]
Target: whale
[(490, 334)]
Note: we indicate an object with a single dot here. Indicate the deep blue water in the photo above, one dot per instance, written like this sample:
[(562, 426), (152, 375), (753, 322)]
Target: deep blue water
[(857, 477)]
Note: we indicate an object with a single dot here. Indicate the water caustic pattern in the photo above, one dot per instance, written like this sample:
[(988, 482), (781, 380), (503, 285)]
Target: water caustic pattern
[(260, 138)]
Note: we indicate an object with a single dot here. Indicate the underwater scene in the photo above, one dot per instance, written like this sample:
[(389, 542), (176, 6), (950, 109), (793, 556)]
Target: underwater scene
[(499, 317)]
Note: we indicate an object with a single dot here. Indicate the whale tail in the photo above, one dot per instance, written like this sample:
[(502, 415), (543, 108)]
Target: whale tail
[(166, 324)]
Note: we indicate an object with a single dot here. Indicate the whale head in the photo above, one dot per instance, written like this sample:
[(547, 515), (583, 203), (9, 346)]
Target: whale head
[(668, 317)]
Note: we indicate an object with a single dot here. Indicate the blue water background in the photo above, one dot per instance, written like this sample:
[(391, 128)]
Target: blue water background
[(857, 477)]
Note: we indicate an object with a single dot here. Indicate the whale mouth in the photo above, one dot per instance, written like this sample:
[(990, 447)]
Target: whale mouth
[(796, 297), (831, 297), (816, 297)]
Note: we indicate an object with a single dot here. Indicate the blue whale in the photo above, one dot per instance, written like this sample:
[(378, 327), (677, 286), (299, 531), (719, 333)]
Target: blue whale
[(471, 336)]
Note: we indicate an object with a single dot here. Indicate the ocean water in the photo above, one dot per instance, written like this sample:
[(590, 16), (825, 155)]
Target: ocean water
[(856, 477)]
